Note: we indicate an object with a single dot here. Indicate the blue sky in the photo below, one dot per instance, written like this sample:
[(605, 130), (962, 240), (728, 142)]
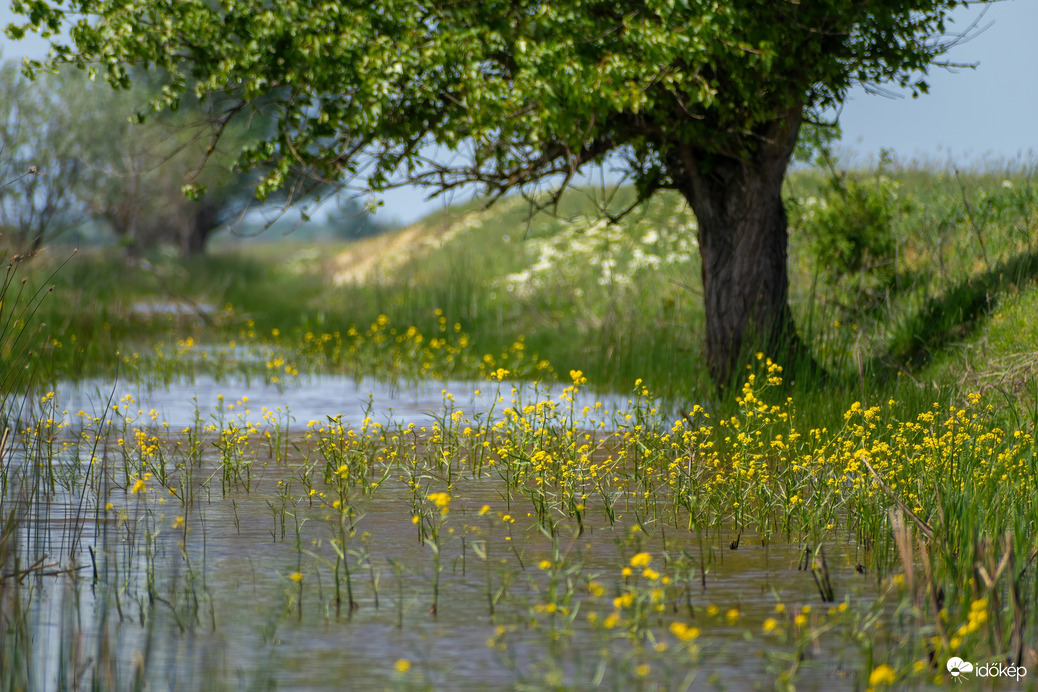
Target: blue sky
[(969, 116), (990, 111)]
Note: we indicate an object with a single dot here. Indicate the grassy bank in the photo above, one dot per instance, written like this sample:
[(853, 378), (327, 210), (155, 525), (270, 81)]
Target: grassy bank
[(898, 276)]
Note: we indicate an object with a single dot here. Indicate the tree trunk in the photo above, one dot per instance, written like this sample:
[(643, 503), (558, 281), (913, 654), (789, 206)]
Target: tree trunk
[(192, 241), (202, 220), (737, 201)]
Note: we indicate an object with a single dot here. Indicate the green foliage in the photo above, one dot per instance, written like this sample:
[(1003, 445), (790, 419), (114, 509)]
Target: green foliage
[(42, 162), (352, 220), (532, 89), (1010, 206), (852, 236), (814, 145)]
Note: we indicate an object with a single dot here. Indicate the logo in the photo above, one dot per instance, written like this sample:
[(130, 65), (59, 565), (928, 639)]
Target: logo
[(959, 668)]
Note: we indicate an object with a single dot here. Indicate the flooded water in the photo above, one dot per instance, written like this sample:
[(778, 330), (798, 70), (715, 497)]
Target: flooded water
[(223, 610), (200, 569), (320, 397)]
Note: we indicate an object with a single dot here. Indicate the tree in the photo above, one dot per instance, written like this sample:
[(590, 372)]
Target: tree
[(351, 220), (137, 172), (706, 97), (89, 162), (41, 163)]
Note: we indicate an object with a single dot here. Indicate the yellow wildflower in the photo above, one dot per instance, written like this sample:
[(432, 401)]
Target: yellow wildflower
[(641, 560), (683, 631), (882, 675)]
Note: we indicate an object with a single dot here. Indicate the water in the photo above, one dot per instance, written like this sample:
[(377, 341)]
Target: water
[(249, 629), (320, 397), (201, 594)]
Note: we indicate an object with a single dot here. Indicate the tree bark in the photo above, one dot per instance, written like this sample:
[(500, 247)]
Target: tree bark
[(737, 201), (202, 219)]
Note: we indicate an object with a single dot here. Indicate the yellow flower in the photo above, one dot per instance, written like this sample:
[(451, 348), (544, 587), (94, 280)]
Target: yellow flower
[(545, 564), (642, 670), (296, 577), (402, 665), (138, 487), (882, 675), (624, 601), (441, 500), (769, 625), (641, 560), (683, 631)]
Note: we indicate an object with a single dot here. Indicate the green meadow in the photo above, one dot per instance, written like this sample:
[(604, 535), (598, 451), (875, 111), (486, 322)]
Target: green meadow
[(581, 508)]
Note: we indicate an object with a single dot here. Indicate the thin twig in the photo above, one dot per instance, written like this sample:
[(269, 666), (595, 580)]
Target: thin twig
[(923, 526)]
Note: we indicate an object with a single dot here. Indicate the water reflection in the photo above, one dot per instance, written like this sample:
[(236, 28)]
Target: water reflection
[(219, 610), (322, 396)]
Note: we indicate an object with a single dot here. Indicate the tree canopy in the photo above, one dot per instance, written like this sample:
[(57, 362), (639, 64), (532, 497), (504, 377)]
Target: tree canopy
[(703, 96)]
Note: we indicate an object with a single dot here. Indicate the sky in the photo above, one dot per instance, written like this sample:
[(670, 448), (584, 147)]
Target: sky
[(969, 116), (990, 111)]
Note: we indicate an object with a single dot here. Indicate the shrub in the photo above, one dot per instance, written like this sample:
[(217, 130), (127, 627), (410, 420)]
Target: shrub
[(851, 234)]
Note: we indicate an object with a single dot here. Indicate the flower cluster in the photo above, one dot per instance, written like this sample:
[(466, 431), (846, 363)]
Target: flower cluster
[(614, 253)]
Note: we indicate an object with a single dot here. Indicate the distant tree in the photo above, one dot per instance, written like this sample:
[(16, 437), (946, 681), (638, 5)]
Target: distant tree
[(352, 220), (140, 173), (706, 97), (41, 164), (90, 161)]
